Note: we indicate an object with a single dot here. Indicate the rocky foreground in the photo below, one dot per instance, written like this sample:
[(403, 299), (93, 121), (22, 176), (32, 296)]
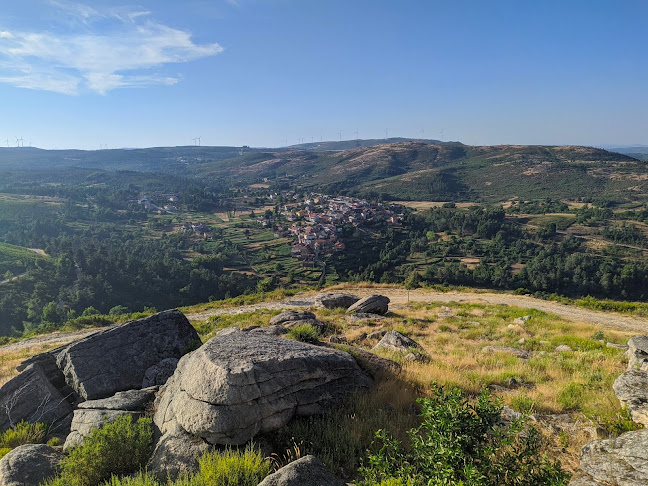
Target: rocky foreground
[(225, 391)]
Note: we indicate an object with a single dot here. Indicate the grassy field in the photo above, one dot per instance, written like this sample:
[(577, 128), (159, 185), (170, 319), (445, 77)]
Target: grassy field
[(14, 258)]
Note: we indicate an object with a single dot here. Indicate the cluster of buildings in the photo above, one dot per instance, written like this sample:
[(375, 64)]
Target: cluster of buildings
[(317, 221), (158, 202)]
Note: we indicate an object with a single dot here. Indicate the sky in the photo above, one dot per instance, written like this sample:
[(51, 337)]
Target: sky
[(266, 73)]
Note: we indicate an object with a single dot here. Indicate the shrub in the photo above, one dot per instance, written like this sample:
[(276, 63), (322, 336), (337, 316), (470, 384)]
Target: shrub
[(460, 443), (141, 479), (305, 333), (23, 433), (232, 467), (121, 447)]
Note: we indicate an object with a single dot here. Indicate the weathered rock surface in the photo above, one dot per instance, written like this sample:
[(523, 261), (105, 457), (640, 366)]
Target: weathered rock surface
[(631, 388), (274, 330), (364, 316), (158, 374), (241, 383), (306, 471), (372, 304), (622, 461), (29, 465), (30, 396), (638, 353), (117, 359), (624, 347), (93, 414), (371, 363), (518, 353), (563, 348), (396, 342), (176, 453), (334, 300), (291, 315)]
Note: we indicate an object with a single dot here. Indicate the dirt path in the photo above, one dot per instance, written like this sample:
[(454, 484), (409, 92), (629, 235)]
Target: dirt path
[(398, 297)]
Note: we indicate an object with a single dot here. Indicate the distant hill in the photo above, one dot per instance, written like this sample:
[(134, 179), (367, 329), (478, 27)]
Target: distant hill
[(415, 170), (637, 151), (359, 143)]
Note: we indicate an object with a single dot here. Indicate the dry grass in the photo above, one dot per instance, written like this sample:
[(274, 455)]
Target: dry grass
[(10, 359)]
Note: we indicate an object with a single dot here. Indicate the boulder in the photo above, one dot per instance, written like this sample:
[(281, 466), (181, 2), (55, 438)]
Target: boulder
[(118, 358), (631, 388), (241, 383), (638, 353), (93, 414), (158, 374), (396, 342), (338, 339), (623, 347), (563, 348), (622, 461), (372, 304), (376, 334), (372, 364), (291, 315), (306, 471), (30, 396), (364, 316), (29, 465), (334, 301), (176, 453), (274, 330), (518, 353)]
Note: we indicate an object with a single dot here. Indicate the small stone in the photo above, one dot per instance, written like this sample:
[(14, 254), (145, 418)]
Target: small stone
[(563, 348), (522, 341), (518, 353), (376, 334), (623, 347), (338, 339)]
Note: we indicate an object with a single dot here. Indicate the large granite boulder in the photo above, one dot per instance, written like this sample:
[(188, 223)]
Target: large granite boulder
[(93, 414), (241, 383), (176, 453), (30, 396), (372, 304), (398, 343), (306, 471), (335, 300), (117, 359), (621, 462), (158, 374), (291, 315), (29, 465), (631, 388), (637, 353)]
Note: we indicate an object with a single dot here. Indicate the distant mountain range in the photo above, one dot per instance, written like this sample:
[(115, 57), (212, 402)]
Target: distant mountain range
[(397, 169)]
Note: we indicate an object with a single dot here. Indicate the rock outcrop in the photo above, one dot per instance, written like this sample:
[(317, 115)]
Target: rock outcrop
[(117, 359), (622, 461), (93, 414), (158, 374), (372, 304), (241, 383), (30, 396), (334, 300), (29, 465), (398, 343), (291, 315), (176, 453), (638, 353), (631, 388), (306, 471)]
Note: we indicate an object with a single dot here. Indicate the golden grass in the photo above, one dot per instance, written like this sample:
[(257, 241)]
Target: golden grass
[(10, 359)]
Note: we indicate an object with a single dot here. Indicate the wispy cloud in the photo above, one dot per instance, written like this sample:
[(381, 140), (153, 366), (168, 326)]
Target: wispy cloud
[(128, 51)]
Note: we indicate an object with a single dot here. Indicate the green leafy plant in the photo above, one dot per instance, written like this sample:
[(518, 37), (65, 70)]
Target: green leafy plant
[(121, 447), (305, 333), (23, 433), (462, 443)]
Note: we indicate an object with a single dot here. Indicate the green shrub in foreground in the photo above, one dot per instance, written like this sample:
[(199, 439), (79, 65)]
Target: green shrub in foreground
[(23, 433), (229, 467), (306, 333), (460, 443), (121, 447)]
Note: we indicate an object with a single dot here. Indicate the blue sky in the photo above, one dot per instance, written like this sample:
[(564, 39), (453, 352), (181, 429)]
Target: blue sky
[(265, 72)]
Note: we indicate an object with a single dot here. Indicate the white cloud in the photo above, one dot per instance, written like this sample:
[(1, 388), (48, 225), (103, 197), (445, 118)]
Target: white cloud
[(123, 56)]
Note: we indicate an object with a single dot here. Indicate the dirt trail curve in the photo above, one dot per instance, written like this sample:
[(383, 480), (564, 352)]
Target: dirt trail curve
[(398, 297)]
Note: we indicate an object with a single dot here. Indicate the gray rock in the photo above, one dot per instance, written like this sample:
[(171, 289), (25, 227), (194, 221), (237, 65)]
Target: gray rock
[(631, 388), (372, 304), (94, 414), (563, 348), (176, 453), (158, 374), (584, 481), (397, 342), (521, 320), (622, 461), (242, 383), (372, 364), (518, 353), (291, 315), (30, 396), (508, 414), (365, 316), (334, 300), (29, 465), (274, 330), (117, 359), (638, 353), (307, 471), (338, 339), (376, 334), (624, 347)]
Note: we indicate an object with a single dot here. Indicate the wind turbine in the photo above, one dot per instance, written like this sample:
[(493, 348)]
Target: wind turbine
[(356, 134), (198, 141), (386, 133), (7, 142), (18, 140), (340, 135)]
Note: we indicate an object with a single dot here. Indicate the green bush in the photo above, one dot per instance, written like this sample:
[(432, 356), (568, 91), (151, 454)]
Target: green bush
[(460, 443), (305, 333), (121, 447), (142, 479), (23, 433), (233, 468)]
